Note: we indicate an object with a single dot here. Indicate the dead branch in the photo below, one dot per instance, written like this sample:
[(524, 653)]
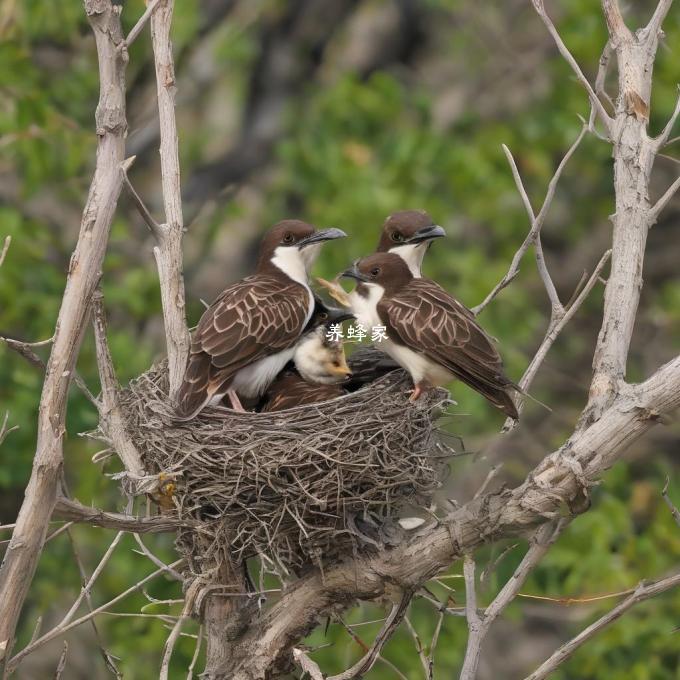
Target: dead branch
[(5, 248), (559, 481), (22, 555), (168, 253), (392, 622), (480, 623), (634, 154), (536, 222), (568, 57), (74, 511), (110, 414), (61, 630), (642, 592), (674, 511)]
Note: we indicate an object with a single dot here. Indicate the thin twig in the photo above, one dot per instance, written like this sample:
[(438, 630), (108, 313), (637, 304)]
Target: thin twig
[(158, 562), (536, 223), (479, 625), (674, 511), (154, 227), (656, 209), (392, 622), (564, 51), (5, 248), (661, 140), (641, 593), (177, 628), (194, 658), (61, 630), (137, 28), (109, 660)]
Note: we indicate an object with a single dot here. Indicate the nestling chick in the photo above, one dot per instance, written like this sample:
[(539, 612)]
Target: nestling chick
[(320, 368)]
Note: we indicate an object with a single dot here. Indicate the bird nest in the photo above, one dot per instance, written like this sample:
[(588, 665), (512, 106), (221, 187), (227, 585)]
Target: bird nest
[(299, 486)]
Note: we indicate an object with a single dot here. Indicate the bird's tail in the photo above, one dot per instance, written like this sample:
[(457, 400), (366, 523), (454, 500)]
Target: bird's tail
[(517, 388)]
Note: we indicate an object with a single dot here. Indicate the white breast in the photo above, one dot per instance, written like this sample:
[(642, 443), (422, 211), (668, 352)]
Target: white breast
[(418, 365), (254, 379), (365, 308)]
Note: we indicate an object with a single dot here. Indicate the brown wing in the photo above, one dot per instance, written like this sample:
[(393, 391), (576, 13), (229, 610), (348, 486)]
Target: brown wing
[(250, 320), (428, 320), (290, 390)]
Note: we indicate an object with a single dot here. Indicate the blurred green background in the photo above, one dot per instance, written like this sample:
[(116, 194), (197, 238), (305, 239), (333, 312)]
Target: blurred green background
[(340, 112)]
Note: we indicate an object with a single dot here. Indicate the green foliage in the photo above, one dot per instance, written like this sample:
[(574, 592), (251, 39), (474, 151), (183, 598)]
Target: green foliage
[(355, 150)]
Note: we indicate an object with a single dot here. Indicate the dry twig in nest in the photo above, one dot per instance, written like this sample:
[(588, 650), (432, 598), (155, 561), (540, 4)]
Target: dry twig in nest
[(300, 486)]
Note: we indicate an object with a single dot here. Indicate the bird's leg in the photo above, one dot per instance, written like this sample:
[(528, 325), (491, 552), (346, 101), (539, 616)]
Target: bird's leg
[(235, 401), (418, 390)]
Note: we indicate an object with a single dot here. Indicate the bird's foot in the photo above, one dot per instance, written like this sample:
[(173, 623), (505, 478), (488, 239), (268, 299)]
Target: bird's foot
[(235, 401), (419, 389), (335, 290)]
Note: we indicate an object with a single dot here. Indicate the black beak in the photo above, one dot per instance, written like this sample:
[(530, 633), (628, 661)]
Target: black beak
[(320, 236), (354, 273), (338, 316), (427, 234)]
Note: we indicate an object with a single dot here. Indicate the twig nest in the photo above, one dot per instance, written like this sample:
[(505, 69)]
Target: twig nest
[(305, 484)]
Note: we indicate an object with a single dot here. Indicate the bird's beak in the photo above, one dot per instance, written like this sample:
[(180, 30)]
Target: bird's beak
[(338, 316), (320, 236), (427, 234), (353, 273)]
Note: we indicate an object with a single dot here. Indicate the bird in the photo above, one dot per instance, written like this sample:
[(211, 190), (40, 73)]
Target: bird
[(409, 234), (249, 332), (429, 333), (319, 368)]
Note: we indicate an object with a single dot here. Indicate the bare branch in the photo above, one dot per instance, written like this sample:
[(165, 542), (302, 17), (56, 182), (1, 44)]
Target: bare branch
[(566, 54), (656, 209), (536, 222), (674, 511), (5, 248), (555, 327), (177, 628), (618, 30), (61, 630), (141, 22), (478, 624), (560, 481), (154, 227), (474, 621), (109, 660), (168, 253), (642, 592), (653, 29), (111, 415), (194, 658), (158, 562), (22, 555), (661, 140), (308, 666), (68, 509), (395, 617)]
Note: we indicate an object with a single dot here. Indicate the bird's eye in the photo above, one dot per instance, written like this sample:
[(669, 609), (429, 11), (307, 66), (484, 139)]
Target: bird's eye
[(336, 364), (397, 236), (323, 315), (288, 238), (375, 271)]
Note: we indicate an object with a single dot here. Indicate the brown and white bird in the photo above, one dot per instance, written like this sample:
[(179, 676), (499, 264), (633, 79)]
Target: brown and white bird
[(409, 234), (249, 333), (319, 368), (429, 333)]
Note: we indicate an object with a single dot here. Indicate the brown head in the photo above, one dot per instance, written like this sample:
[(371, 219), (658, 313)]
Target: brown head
[(292, 246), (386, 270), (408, 233)]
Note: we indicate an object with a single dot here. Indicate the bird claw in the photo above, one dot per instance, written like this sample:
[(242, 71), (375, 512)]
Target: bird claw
[(335, 290)]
